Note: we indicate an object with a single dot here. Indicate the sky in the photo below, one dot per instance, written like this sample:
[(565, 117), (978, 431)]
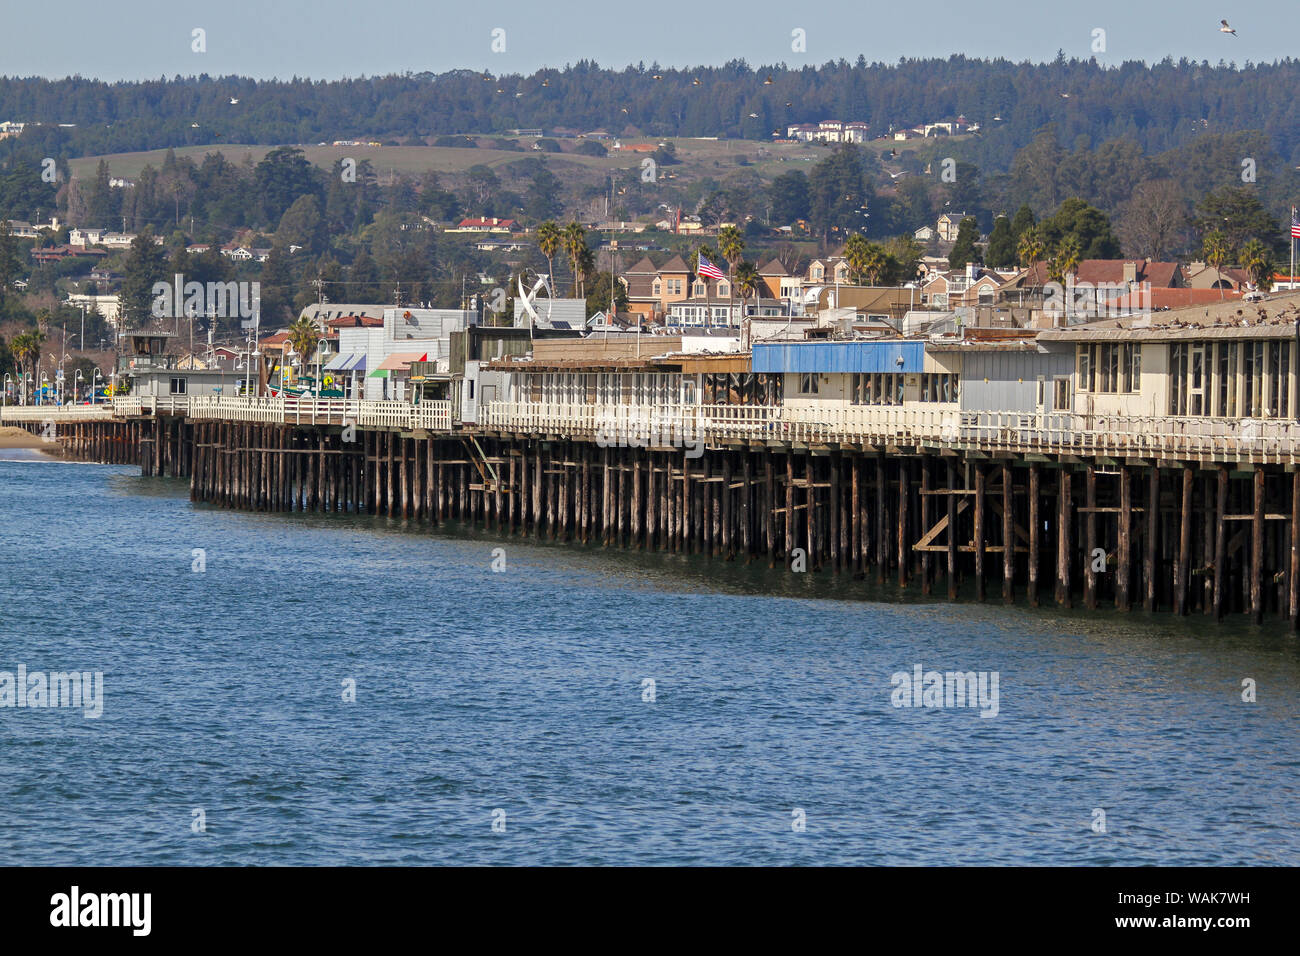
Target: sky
[(329, 39)]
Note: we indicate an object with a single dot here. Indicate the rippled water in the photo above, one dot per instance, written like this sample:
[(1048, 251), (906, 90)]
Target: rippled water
[(523, 691)]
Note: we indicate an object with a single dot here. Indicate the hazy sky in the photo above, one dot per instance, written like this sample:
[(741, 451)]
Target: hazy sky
[(327, 39)]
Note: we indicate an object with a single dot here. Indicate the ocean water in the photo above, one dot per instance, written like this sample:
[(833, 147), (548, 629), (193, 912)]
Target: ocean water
[(504, 717)]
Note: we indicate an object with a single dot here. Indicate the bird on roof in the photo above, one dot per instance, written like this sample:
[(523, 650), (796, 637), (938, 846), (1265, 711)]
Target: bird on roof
[(1226, 29)]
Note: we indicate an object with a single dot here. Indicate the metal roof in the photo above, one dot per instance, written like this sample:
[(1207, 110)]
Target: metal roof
[(890, 355)]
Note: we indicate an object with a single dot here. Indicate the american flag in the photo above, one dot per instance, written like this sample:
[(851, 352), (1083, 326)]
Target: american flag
[(708, 269), (1295, 224)]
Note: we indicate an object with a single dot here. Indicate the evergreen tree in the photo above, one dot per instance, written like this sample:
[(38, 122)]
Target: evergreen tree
[(145, 264), (1001, 251), (964, 249)]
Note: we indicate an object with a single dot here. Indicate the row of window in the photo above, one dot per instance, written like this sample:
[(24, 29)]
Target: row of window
[(651, 388), (1230, 379), (886, 388), (1110, 367)]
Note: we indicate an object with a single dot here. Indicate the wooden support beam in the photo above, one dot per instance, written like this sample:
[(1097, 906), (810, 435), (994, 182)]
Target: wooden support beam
[(1150, 569), (1257, 551), (1220, 542), (978, 541), (1063, 523), (1184, 558), (1035, 531), (1123, 549), (1090, 538)]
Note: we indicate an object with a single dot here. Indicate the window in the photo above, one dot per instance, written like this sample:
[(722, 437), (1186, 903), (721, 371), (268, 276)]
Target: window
[(1178, 354), (1061, 394), (880, 388), (807, 383), (1133, 368), (1279, 378), (698, 289), (657, 288), (1109, 368), (938, 387), (724, 288), (817, 273), (1252, 391), (177, 386)]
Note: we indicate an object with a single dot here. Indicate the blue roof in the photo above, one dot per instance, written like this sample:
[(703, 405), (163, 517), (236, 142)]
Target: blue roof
[(876, 356)]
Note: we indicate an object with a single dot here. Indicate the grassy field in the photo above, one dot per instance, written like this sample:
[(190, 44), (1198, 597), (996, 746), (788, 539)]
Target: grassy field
[(699, 158)]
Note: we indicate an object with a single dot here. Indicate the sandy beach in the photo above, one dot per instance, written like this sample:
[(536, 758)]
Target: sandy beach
[(14, 437)]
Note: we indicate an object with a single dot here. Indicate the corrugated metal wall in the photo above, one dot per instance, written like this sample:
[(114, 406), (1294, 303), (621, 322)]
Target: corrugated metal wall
[(1012, 384), (839, 356)]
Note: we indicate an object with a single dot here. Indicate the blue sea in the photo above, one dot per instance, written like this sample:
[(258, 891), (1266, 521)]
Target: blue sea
[(304, 690)]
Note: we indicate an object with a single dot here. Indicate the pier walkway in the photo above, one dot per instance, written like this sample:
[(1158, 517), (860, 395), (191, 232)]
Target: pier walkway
[(1204, 440)]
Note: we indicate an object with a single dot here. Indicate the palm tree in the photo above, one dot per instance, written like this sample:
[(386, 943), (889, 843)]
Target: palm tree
[(1064, 260), (1257, 260), (303, 336), (747, 282), (574, 238), (586, 266), (855, 254), (875, 263), (25, 347), (1217, 251), (550, 240), (732, 246), (1030, 247)]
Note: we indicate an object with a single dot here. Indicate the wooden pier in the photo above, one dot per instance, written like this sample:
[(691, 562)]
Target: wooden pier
[(1185, 536)]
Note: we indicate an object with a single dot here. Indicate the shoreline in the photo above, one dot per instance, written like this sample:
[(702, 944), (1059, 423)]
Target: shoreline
[(13, 438)]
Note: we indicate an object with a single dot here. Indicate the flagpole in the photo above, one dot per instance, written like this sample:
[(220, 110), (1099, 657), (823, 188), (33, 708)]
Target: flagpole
[(1291, 284)]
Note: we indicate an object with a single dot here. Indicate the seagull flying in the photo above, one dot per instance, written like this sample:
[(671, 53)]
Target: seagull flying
[(233, 100), (1226, 29)]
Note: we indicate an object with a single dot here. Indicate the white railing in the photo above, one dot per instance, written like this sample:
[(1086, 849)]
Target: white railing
[(1132, 435), (1046, 432), (324, 411), (1266, 440)]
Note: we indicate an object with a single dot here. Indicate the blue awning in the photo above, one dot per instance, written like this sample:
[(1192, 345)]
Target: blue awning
[(340, 361)]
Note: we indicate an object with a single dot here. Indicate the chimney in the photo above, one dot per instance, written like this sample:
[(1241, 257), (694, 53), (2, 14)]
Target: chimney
[(970, 271), (1130, 272)]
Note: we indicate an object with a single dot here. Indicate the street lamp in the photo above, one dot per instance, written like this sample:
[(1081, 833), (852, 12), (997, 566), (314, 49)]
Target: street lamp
[(8, 379), (94, 386), (76, 380), (319, 370), (45, 384)]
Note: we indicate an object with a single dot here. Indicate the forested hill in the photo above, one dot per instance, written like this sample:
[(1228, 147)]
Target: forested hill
[(1159, 106)]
